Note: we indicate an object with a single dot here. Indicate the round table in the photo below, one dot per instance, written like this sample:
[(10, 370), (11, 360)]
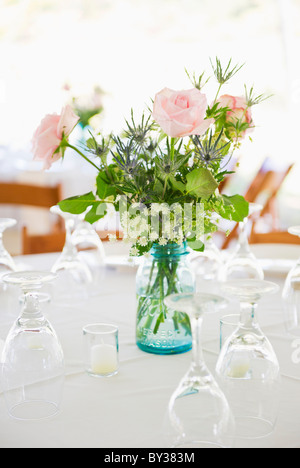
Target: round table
[(127, 410)]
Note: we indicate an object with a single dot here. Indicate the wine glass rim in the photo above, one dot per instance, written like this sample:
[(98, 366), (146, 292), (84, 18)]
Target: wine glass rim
[(7, 222), (29, 277), (100, 328), (294, 230), (230, 319), (203, 299), (59, 212), (249, 287), (255, 208)]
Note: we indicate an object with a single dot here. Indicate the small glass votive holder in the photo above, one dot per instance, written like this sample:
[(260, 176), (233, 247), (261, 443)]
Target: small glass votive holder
[(228, 325), (101, 349)]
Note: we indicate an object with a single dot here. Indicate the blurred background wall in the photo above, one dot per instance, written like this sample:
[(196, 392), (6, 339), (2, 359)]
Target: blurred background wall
[(52, 50)]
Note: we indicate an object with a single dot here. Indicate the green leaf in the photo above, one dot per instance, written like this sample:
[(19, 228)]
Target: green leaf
[(198, 246), (104, 187), (177, 185), (90, 143), (201, 183), (79, 204), (236, 208), (98, 211), (158, 186)]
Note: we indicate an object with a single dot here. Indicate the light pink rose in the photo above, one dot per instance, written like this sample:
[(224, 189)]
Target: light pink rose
[(238, 110), (181, 113), (48, 137)]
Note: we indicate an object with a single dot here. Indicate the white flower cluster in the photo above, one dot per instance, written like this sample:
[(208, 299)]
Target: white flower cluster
[(157, 224), (160, 224)]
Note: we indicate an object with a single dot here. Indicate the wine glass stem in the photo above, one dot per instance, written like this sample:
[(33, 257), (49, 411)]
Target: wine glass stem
[(69, 248), (248, 314), (31, 307), (198, 358), (243, 238)]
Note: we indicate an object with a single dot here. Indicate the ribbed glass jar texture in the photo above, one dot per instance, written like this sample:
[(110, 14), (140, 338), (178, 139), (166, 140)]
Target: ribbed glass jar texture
[(158, 329)]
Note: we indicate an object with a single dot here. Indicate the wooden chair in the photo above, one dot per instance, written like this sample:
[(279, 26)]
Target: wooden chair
[(44, 243), (35, 196), (268, 182), (30, 195), (54, 241), (274, 237)]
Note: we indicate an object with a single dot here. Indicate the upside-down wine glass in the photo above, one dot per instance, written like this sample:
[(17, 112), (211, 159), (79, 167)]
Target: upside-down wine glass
[(198, 414), (86, 236), (207, 264), (74, 274), (291, 294), (32, 358), (91, 251), (243, 263), (6, 261), (247, 370)]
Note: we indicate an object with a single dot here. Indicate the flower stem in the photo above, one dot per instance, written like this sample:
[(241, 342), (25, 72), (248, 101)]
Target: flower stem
[(82, 155), (165, 187), (163, 285), (172, 152), (216, 98)]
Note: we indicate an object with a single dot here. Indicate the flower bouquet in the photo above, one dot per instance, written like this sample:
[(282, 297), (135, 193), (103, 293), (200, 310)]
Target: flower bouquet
[(162, 176)]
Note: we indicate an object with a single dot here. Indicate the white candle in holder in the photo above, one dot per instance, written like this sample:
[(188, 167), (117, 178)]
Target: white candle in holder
[(104, 359), (101, 344)]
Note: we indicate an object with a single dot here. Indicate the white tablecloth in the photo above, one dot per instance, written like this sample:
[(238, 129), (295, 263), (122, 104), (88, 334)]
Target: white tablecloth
[(127, 410)]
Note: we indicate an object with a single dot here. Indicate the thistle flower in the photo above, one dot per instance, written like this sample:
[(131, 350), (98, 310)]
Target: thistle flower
[(167, 166), (198, 83), (221, 76), (99, 149), (253, 100), (125, 156), (152, 146), (138, 134), (210, 151)]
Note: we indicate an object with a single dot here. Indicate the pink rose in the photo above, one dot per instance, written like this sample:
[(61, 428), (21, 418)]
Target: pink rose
[(48, 137), (239, 110), (181, 113)]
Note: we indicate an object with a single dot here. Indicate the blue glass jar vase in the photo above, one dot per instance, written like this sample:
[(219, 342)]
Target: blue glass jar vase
[(160, 330)]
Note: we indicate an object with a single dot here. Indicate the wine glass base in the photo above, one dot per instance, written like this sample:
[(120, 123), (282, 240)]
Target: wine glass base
[(199, 445), (251, 428), (34, 410)]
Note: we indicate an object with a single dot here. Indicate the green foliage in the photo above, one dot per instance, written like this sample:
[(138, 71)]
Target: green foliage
[(253, 100), (199, 82), (147, 167), (79, 204), (201, 183), (104, 187), (234, 208), (223, 75)]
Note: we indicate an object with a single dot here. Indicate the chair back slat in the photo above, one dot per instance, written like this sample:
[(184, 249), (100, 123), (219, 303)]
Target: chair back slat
[(275, 237), (29, 195)]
